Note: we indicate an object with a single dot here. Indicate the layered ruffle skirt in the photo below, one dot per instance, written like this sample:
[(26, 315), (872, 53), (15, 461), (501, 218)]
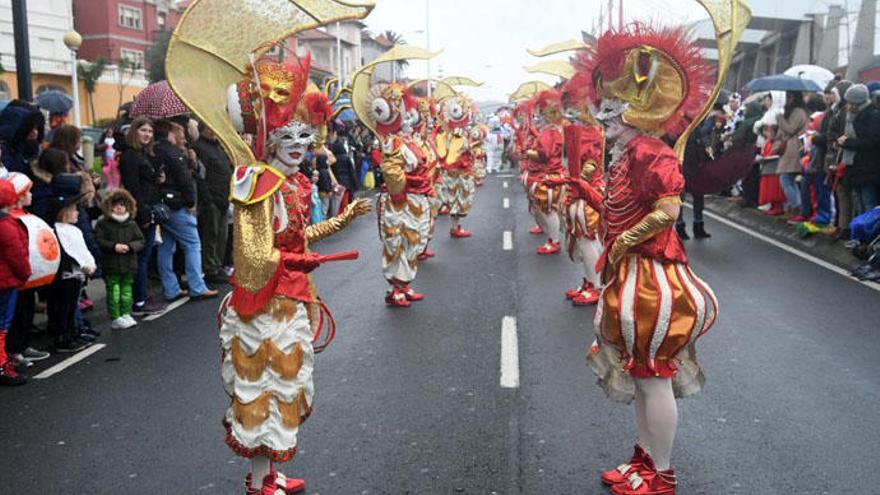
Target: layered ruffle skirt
[(649, 317), (404, 231), (456, 191)]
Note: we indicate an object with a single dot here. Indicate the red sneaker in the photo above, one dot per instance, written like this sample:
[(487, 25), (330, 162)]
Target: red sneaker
[(587, 297), (428, 253), (620, 473), (549, 248), (460, 233), (536, 230), (397, 299), (443, 211), (573, 293), (797, 219), (289, 485), (652, 482), (412, 295)]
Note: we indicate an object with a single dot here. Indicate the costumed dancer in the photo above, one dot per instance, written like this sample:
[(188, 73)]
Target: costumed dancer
[(646, 83), (478, 135), (403, 206), (547, 176), (456, 162), (422, 130), (584, 156)]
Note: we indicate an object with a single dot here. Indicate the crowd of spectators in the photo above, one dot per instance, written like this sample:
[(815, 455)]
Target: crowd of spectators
[(155, 204), (814, 159)]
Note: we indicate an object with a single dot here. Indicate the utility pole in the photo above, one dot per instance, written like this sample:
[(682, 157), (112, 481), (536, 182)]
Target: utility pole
[(22, 49), (620, 16), (428, 41), (610, 15)]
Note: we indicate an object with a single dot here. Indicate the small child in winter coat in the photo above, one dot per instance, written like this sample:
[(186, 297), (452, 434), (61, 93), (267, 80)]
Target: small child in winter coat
[(14, 272), (120, 240)]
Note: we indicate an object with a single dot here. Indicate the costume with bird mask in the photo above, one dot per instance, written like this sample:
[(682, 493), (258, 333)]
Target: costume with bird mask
[(272, 320), (454, 154)]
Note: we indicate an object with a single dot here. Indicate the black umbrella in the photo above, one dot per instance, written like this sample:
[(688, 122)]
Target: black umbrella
[(54, 101), (781, 82)]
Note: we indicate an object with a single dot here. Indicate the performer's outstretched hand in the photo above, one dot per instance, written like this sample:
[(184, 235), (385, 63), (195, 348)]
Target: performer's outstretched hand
[(360, 207)]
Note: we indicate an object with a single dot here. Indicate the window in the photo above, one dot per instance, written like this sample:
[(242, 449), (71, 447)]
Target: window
[(134, 56), (50, 87), (129, 17), (160, 21), (4, 91)]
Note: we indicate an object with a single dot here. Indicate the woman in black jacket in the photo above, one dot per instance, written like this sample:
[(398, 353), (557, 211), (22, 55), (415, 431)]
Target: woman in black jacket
[(142, 180)]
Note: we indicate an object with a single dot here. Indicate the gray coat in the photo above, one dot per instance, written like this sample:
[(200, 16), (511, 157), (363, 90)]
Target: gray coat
[(790, 130)]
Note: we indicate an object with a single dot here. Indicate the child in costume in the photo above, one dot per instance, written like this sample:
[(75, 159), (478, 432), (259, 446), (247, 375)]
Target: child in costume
[(120, 240), (14, 272)]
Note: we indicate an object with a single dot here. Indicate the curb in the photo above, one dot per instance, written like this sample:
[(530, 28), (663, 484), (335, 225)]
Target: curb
[(819, 245)]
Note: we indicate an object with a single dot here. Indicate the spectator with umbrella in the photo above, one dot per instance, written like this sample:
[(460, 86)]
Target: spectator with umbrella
[(21, 132), (213, 202), (792, 123)]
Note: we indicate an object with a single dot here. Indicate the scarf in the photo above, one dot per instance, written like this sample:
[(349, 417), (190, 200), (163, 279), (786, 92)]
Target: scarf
[(849, 156)]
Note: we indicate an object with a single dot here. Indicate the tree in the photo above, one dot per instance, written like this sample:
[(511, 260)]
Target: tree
[(125, 67), (89, 73), (156, 57), (396, 39)]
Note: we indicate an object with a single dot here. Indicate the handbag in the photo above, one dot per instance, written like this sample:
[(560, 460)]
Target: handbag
[(160, 213)]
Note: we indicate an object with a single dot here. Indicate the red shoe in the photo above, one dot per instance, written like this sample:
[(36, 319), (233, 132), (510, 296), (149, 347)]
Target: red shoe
[(536, 230), (428, 253), (774, 211), (621, 473), (573, 293), (549, 248), (412, 295), (289, 485), (588, 297), (397, 299), (460, 233), (443, 211), (798, 219), (651, 482)]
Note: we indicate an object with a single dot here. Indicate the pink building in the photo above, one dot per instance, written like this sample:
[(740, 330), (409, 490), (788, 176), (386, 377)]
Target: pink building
[(117, 29)]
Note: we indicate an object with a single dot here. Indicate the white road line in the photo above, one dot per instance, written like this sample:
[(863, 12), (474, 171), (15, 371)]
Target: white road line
[(506, 202), (505, 176), (789, 249), (507, 240), (171, 307), (504, 184), (63, 365), (509, 353)]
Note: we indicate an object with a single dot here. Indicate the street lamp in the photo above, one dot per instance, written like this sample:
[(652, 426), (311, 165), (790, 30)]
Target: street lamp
[(73, 41)]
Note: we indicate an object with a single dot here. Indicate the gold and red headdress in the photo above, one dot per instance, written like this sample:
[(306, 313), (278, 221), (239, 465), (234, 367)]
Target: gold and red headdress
[(655, 78)]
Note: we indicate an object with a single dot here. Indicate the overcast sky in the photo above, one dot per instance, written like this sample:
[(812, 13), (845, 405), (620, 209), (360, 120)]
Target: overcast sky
[(486, 39)]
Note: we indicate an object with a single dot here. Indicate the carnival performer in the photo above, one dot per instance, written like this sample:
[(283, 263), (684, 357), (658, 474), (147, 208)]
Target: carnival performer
[(494, 146), (423, 125), (546, 175), (645, 83), (584, 154), (456, 162), (274, 314), (478, 135)]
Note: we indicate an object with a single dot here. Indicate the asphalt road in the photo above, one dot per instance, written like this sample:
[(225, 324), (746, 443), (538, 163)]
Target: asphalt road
[(409, 401)]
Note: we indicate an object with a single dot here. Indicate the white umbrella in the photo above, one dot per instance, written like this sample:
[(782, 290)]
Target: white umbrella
[(819, 75)]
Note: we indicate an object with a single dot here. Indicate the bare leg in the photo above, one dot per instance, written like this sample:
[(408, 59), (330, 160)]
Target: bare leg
[(549, 223), (260, 467), (661, 418)]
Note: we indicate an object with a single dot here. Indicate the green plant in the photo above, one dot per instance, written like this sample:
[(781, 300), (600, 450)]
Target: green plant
[(89, 73)]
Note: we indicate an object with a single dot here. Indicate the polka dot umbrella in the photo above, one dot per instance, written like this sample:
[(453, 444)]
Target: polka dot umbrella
[(157, 101)]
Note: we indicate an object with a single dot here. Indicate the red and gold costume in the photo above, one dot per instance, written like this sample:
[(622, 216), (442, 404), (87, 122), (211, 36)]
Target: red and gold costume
[(478, 136), (403, 207), (547, 176), (272, 318), (456, 190), (643, 84), (422, 131)]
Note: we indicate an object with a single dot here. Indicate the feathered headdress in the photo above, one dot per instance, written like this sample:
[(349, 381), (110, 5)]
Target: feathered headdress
[(655, 78)]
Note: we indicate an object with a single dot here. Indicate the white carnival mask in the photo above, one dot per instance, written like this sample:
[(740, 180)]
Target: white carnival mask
[(292, 141)]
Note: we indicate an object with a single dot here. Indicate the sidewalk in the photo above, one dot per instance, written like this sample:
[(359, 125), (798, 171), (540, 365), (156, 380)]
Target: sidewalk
[(819, 245)]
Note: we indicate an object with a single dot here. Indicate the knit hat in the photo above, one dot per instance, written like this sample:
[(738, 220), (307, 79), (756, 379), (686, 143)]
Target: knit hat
[(873, 86), (7, 194), (857, 94), (20, 182)]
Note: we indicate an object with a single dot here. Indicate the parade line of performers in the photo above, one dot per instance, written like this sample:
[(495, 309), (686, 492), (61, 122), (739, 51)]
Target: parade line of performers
[(596, 162)]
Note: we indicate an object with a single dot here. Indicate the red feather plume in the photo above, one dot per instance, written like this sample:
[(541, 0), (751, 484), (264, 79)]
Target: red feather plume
[(604, 61)]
